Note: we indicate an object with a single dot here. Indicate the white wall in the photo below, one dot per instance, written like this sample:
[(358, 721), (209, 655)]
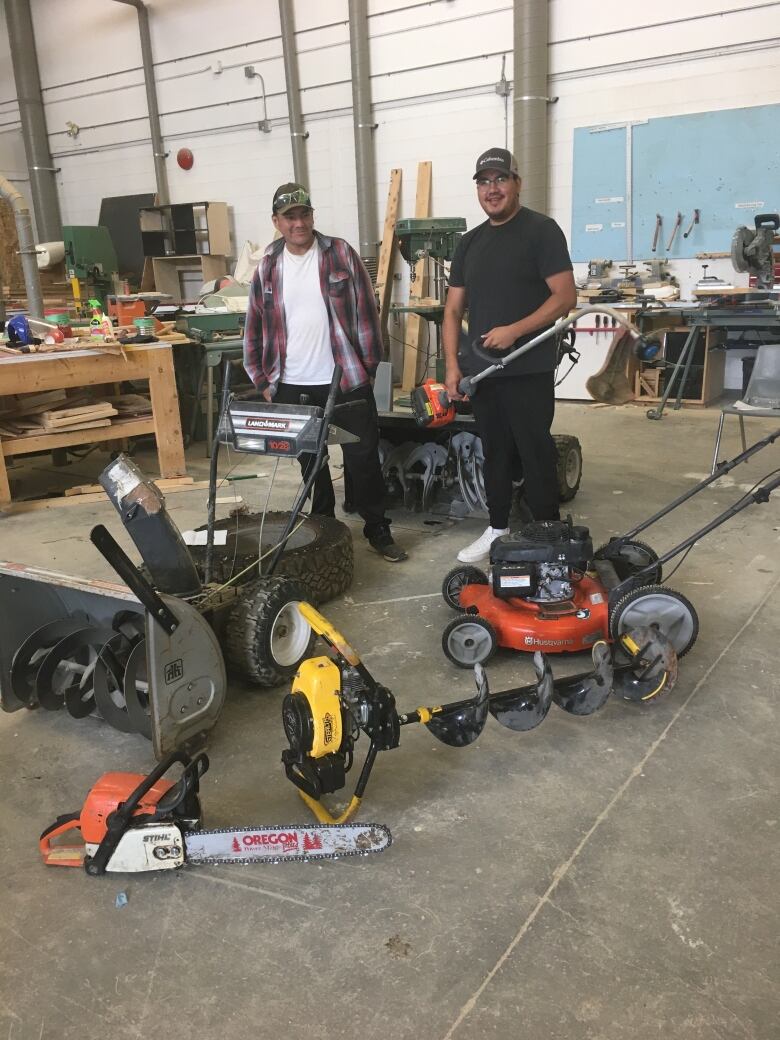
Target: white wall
[(434, 67)]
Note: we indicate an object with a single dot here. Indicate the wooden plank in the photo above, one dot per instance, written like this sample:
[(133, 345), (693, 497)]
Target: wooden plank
[(218, 229), (63, 438), (86, 424), (166, 416), (162, 483), (35, 373), (5, 487), (91, 499), (417, 286), (384, 270)]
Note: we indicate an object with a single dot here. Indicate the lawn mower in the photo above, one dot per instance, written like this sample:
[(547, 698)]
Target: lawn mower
[(335, 698), (548, 590)]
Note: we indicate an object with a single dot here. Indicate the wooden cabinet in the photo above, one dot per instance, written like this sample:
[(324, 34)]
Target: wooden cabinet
[(186, 229)]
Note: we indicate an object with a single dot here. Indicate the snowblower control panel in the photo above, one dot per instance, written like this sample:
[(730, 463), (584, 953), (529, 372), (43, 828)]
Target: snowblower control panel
[(263, 428)]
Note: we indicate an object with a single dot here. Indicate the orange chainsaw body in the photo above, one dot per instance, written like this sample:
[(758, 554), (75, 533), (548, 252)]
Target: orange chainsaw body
[(104, 797)]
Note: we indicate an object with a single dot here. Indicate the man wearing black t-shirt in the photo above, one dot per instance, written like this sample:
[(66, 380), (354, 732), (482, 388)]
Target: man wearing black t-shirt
[(514, 276)]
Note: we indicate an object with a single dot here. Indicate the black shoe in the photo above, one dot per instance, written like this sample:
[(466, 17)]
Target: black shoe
[(382, 542)]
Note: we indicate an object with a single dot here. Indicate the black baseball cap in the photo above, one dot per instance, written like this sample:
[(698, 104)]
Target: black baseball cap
[(496, 159), (288, 196)]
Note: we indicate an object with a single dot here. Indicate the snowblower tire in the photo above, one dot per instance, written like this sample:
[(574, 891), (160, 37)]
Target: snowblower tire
[(319, 553), (266, 637)]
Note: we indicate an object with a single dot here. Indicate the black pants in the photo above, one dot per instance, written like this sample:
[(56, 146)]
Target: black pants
[(514, 415), (361, 460)]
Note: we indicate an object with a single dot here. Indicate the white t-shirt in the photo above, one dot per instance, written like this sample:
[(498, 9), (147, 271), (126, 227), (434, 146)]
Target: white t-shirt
[(309, 354)]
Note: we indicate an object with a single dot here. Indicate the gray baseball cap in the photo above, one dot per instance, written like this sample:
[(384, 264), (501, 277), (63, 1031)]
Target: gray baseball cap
[(497, 159)]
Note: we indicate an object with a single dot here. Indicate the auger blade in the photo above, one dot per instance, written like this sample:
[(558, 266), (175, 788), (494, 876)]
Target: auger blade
[(583, 694), (524, 708), (460, 724), (651, 672)]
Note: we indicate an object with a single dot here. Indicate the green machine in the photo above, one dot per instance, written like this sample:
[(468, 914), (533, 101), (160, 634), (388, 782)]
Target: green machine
[(434, 238), (429, 236), (90, 260)]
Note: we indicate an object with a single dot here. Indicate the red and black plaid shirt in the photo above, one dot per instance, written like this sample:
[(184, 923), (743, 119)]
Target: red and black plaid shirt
[(352, 316)]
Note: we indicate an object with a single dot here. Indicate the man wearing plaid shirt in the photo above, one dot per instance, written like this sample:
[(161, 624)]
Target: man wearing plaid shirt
[(312, 305)]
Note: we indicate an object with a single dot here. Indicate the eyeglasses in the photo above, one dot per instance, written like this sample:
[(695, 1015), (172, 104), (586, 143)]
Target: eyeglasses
[(486, 182), (299, 197)]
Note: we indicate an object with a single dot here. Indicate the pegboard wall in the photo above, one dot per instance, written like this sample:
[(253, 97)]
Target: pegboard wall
[(726, 164)]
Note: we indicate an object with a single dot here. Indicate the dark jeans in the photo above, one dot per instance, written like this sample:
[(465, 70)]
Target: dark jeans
[(361, 460), (514, 415)]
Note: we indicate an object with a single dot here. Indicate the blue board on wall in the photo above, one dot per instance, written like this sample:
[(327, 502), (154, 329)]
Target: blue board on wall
[(725, 164), (599, 198)]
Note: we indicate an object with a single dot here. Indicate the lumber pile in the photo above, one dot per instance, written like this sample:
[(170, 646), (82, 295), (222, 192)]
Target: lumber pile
[(54, 411)]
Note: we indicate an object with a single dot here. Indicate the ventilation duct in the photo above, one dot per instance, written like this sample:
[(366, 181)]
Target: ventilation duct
[(364, 129), (43, 187), (298, 135), (529, 104)]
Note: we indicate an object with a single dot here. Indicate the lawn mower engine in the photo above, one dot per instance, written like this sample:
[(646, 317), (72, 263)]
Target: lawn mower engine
[(541, 561)]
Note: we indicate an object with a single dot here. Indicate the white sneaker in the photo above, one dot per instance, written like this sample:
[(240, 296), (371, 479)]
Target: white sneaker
[(480, 549)]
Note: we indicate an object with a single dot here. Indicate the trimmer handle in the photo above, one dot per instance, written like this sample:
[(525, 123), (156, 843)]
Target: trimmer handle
[(771, 220)]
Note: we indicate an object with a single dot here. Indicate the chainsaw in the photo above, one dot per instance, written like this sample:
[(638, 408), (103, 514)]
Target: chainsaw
[(132, 823)]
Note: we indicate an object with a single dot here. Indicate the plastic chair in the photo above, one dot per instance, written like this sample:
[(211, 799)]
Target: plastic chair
[(761, 398)]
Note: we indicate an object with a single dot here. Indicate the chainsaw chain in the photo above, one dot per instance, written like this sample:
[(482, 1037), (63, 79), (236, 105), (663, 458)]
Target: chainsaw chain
[(303, 858)]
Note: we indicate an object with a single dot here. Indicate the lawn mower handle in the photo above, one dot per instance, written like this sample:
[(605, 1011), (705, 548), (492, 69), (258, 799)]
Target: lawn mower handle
[(468, 384)]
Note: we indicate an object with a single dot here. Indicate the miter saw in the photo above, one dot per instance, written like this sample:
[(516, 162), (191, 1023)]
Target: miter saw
[(752, 250)]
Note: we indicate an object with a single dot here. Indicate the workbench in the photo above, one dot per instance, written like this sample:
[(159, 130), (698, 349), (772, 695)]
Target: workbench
[(36, 373), (713, 322)]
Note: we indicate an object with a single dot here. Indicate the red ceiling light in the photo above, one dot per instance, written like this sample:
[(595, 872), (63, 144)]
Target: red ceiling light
[(185, 158)]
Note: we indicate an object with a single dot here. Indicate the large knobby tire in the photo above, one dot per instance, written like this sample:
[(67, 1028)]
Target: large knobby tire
[(655, 605), (569, 468), (319, 552), (266, 636)]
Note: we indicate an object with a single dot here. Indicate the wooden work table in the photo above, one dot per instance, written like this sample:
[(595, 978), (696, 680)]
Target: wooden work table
[(36, 373)]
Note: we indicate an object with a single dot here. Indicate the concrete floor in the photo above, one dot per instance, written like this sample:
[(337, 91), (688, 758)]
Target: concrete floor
[(612, 877)]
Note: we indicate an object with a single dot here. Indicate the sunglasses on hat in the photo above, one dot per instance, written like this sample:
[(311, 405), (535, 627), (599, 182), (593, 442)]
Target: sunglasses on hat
[(288, 199)]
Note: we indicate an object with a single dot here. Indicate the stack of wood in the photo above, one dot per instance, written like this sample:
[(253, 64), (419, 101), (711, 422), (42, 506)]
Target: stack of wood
[(33, 414), (131, 406)]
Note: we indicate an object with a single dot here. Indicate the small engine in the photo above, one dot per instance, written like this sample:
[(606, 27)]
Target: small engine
[(322, 718), (540, 561)]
